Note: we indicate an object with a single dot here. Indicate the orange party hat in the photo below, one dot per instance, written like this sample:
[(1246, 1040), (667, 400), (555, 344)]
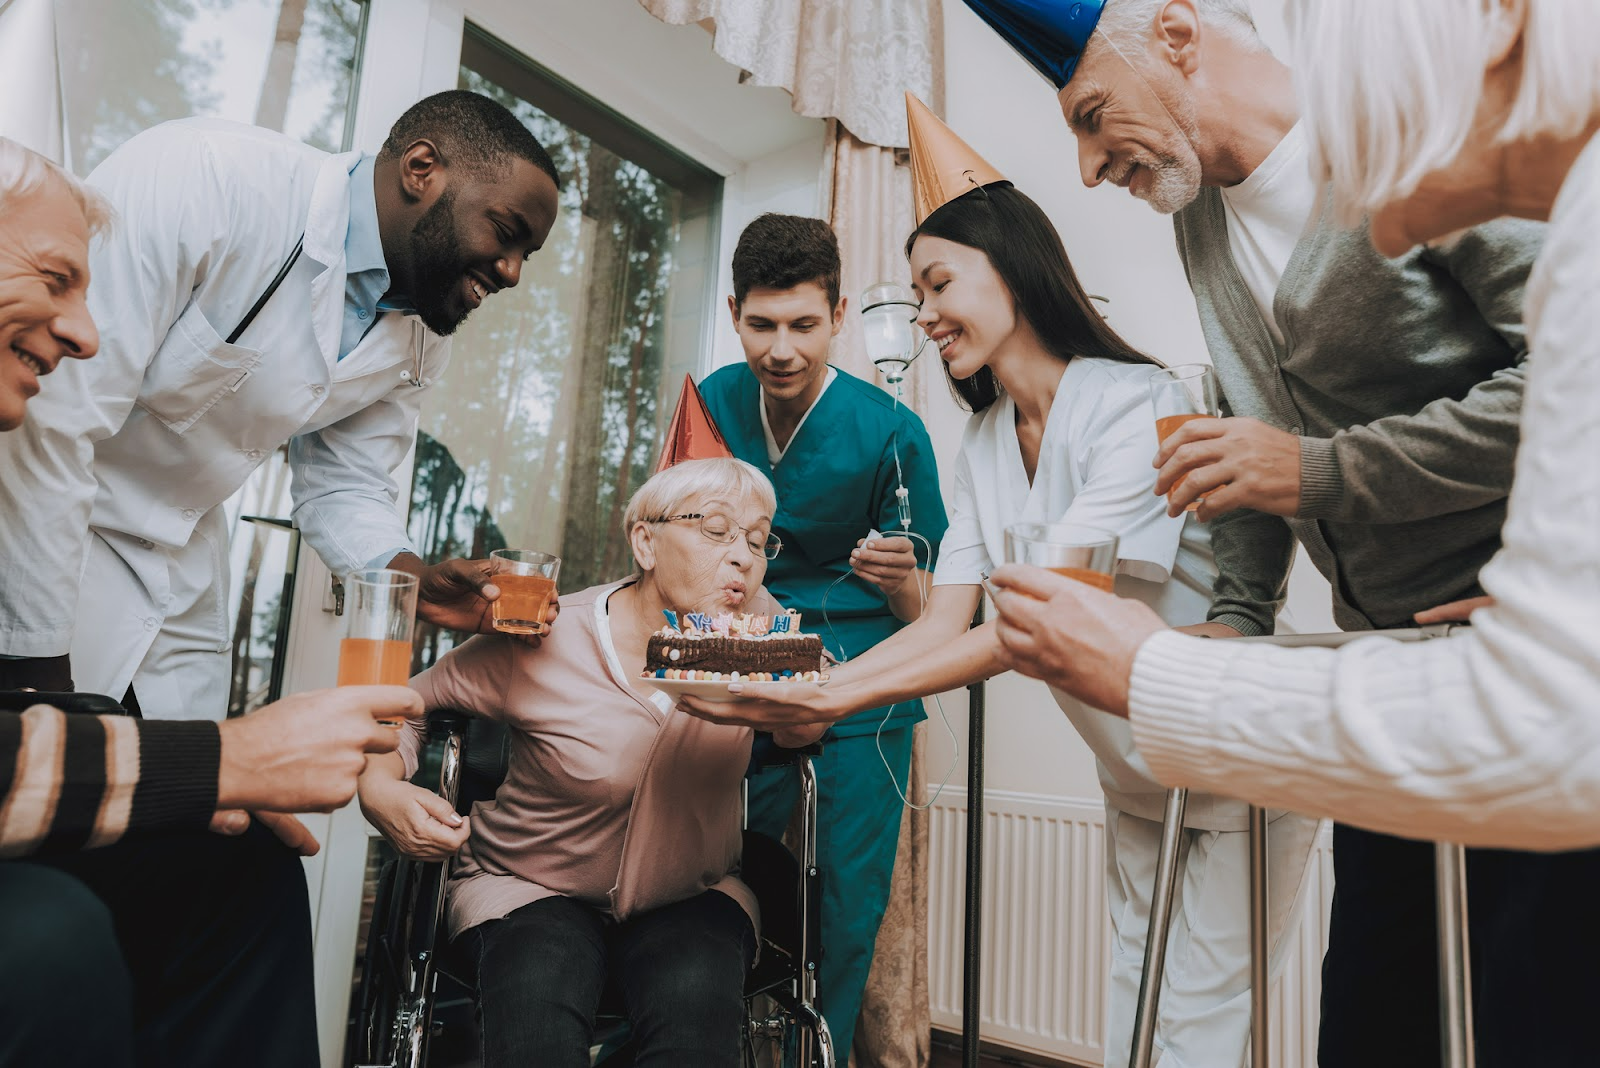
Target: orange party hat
[(943, 166), (693, 434)]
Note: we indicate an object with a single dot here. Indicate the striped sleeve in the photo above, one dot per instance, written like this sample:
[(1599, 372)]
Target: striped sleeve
[(77, 782)]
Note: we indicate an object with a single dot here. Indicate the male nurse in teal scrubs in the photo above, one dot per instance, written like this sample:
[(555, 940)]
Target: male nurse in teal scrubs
[(829, 441)]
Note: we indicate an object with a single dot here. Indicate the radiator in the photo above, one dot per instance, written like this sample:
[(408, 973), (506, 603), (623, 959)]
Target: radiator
[(1045, 932)]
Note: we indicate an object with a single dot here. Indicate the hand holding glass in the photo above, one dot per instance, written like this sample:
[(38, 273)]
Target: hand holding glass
[(380, 608), (527, 582), (1179, 394), (1074, 551)]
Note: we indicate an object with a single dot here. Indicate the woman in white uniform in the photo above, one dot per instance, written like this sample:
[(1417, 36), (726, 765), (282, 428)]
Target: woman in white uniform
[(1063, 431)]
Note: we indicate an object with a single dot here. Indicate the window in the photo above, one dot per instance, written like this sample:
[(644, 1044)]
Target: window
[(289, 65), (558, 393)]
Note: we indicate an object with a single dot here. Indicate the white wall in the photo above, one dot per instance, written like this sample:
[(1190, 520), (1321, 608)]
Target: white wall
[(788, 181)]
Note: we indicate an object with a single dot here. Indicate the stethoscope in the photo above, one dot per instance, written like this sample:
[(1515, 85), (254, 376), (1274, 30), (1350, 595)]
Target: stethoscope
[(413, 377)]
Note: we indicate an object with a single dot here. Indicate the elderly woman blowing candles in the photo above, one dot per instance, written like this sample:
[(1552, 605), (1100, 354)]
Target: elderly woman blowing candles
[(611, 851)]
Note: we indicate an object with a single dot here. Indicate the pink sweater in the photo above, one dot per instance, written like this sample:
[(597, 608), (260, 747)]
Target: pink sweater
[(612, 798)]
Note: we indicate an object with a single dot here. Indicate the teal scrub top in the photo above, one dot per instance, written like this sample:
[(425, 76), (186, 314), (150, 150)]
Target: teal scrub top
[(835, 483)]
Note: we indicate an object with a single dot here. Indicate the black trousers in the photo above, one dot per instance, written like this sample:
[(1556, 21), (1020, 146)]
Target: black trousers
[(679, 971), (1533, 939), (213, 932), (65, 996), (37, 673)]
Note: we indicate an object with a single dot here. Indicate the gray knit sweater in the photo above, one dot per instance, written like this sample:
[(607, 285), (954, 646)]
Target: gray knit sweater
[(1404, 380)]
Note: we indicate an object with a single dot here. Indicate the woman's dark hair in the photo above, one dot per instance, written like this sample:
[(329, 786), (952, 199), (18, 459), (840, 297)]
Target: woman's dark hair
[(1027, 253)]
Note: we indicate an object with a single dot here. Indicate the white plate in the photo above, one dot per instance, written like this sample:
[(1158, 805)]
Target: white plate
[(716, 692)]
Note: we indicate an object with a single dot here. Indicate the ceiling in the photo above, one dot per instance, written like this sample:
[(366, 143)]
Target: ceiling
[(665, 78)]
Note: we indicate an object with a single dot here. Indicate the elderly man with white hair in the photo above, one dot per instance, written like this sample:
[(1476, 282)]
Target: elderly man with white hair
[(128, 933), (1373, 407), (1429, 117)]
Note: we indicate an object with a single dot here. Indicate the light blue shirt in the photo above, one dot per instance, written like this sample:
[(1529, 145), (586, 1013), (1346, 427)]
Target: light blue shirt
[(366, 274), (366, 280)]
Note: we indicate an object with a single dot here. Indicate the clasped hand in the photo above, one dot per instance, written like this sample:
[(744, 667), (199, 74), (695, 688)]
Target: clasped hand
[(1069, 634), (1235, 463)]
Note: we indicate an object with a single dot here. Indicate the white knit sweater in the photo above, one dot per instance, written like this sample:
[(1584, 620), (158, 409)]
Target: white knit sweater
[(1491, 738)]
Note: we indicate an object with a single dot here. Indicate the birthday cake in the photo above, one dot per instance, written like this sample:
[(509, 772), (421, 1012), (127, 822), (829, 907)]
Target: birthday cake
[(734, 648)]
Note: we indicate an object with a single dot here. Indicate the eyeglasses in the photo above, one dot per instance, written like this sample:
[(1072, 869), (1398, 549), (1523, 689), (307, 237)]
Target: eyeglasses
[(722, 530)]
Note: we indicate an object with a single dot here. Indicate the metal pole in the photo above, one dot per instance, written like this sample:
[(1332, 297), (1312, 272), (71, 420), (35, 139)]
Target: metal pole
[(807, 1040), (972, 963), (1455, 968), (1146, 1011), (1260, 943)]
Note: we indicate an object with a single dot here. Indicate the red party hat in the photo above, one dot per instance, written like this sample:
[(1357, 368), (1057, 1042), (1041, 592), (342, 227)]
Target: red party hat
[(693, 434)]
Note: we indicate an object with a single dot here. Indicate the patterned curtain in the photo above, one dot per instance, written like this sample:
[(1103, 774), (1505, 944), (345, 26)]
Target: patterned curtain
[(869, 205), (870, 209), (850, 62)]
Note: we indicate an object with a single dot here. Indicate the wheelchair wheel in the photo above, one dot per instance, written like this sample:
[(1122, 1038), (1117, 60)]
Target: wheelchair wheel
[(371, 1034), (390, 1026)]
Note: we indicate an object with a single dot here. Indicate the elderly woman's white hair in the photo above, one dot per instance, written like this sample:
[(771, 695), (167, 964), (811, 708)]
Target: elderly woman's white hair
[(23, 170), (665, 493), (1389, 88)]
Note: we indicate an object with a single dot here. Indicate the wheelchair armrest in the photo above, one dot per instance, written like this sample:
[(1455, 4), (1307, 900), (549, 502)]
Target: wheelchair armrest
[(484, 750), (91, 704), (442, 721), (766, 753)]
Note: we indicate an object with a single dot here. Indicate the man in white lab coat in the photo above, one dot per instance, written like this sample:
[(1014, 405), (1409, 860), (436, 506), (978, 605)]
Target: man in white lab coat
[(253, 291)]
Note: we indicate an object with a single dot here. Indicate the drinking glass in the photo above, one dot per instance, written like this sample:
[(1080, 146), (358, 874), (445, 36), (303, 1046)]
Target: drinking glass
[(380, 608), (1087, 554), (527, 581), (1179, 394)]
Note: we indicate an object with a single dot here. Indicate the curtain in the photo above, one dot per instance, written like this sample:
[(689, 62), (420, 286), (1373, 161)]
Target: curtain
[(868, 195), (30, 87), (868, 188), (850, 60), (896, 1028)]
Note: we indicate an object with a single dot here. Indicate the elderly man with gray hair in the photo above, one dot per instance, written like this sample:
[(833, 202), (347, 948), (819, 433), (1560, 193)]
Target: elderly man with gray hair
[(127, 933), (1372, 411)]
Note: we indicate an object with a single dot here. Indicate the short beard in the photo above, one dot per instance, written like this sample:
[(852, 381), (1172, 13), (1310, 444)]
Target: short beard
[(1175, 179), (1174, 183), (436, 268)]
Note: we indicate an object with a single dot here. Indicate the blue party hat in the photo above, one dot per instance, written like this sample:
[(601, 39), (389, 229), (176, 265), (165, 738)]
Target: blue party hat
[(1050, 34)]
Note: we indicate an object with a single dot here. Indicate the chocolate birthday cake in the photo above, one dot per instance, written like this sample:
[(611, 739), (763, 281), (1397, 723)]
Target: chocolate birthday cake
[(730, 648)]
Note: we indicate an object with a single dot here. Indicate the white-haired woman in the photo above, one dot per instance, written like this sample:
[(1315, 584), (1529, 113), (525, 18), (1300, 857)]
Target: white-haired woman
[(610, 853), (1432, 116)]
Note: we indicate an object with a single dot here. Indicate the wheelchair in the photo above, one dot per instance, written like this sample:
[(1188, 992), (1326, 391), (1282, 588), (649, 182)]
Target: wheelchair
[(411, 992)]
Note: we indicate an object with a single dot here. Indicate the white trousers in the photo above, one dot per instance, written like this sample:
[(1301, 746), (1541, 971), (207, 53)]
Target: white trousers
[(1204, 1016)]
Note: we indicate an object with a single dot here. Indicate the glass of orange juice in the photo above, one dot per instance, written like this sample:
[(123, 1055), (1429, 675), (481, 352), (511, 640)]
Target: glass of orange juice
[(1087, 554), (527, 581), (1179, 394), (380, 608)]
